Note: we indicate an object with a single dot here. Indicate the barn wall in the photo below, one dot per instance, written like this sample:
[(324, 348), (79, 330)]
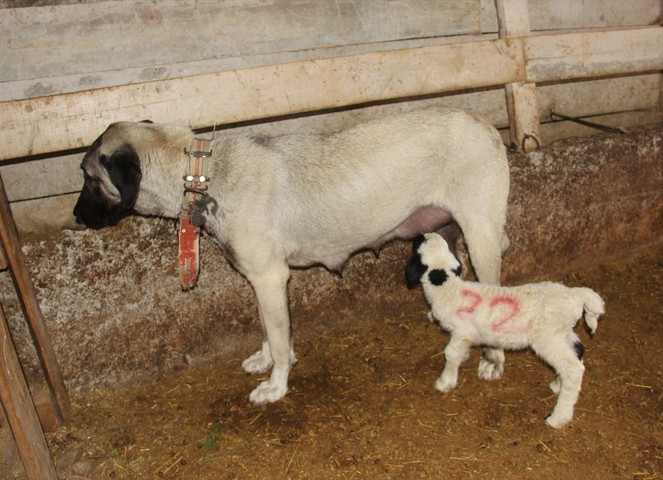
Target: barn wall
[(112, 302), (71, 68)]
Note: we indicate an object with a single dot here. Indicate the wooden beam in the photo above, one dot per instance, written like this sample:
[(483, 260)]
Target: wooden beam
[(523, 115), (59, 122), (573, 56), (513, 23), (53, 48), (512, 18), (31, 310), (21, 413)]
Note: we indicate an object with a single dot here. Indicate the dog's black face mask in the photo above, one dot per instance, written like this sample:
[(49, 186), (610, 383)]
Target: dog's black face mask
[(94, 209)]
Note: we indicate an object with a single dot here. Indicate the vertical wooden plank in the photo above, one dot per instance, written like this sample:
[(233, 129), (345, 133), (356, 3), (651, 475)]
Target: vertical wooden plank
[(512, 18), (513, 22), (523, 115), (31, 310), (21, 413)]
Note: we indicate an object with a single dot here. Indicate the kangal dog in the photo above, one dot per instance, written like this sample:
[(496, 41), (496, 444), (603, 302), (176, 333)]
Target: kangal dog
[(301, 200)]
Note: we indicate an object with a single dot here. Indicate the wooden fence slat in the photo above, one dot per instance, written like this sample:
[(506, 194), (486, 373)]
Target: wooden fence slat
[(572, 56), (21, 413), (89, 38), (31, 310), (569, 14), (54, 123), (59, 122), (521, 102)]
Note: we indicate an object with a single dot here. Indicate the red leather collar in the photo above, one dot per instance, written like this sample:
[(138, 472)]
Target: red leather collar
[(195, 185)]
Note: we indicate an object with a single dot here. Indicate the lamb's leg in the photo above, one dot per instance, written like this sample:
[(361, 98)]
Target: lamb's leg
[(491, 366), (574, 342), (485, 242), (455, 353), (563, 358)]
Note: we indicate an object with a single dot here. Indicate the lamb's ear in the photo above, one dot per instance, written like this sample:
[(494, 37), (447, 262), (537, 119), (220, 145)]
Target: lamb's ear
[(437, 277), (417, 241), (414, 270)]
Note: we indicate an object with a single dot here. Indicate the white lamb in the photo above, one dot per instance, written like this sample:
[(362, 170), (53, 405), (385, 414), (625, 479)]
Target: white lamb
[(538, 315)]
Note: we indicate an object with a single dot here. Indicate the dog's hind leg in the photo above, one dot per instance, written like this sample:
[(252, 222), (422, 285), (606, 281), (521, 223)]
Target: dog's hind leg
[(271, 293)]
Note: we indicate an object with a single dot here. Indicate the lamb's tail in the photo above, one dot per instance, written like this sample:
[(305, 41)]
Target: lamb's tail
[(594, 307)]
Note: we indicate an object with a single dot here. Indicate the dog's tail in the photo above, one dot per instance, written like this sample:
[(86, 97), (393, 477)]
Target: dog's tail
[(593, 305)]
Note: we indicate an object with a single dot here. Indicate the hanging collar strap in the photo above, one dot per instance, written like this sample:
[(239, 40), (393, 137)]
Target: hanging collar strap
[(195, 187)]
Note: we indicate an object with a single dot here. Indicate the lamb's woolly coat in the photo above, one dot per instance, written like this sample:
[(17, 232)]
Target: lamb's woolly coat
[(540, 315)]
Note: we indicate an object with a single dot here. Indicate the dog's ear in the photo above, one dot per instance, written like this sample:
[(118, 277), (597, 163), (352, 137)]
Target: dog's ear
[(438, 277), (124, 171), (414, 270)]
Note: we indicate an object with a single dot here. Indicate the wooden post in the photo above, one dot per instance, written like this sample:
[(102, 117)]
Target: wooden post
[(31, 310), (523, 115), (513, 23), (21, 413)]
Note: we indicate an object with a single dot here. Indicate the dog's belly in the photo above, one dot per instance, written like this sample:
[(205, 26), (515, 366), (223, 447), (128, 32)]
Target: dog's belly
[(333, 251), (423, 220)]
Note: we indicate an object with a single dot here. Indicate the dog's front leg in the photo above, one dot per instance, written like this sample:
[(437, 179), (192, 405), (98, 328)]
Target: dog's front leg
[(272, 296), (261, 361)]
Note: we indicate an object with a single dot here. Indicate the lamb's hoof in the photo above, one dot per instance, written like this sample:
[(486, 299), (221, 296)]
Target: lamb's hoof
[(558, 421), (444, 386), (556, 385), (257, 363), (267, 393), (489, 370)]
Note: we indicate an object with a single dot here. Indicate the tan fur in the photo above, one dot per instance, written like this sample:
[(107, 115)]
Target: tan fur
[(300, 200)]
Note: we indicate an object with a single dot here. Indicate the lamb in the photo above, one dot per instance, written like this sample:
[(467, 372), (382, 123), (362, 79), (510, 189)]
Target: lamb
[(538, 315)]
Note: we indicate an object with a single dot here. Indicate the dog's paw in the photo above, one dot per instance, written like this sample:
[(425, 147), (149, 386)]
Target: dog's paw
[(259, 362), (489, 370), (268, 393)]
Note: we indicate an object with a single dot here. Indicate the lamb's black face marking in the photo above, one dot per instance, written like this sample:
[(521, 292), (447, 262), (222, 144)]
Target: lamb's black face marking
[(579, 349), (93, 208), (457, 271), (438, 277), (417, 242), (415, 269)]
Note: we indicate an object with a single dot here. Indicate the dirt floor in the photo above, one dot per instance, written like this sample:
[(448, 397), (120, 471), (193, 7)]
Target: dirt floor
[(362, 405)]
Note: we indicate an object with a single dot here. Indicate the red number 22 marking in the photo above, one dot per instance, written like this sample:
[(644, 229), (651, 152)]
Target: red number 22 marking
[(502, 325)]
